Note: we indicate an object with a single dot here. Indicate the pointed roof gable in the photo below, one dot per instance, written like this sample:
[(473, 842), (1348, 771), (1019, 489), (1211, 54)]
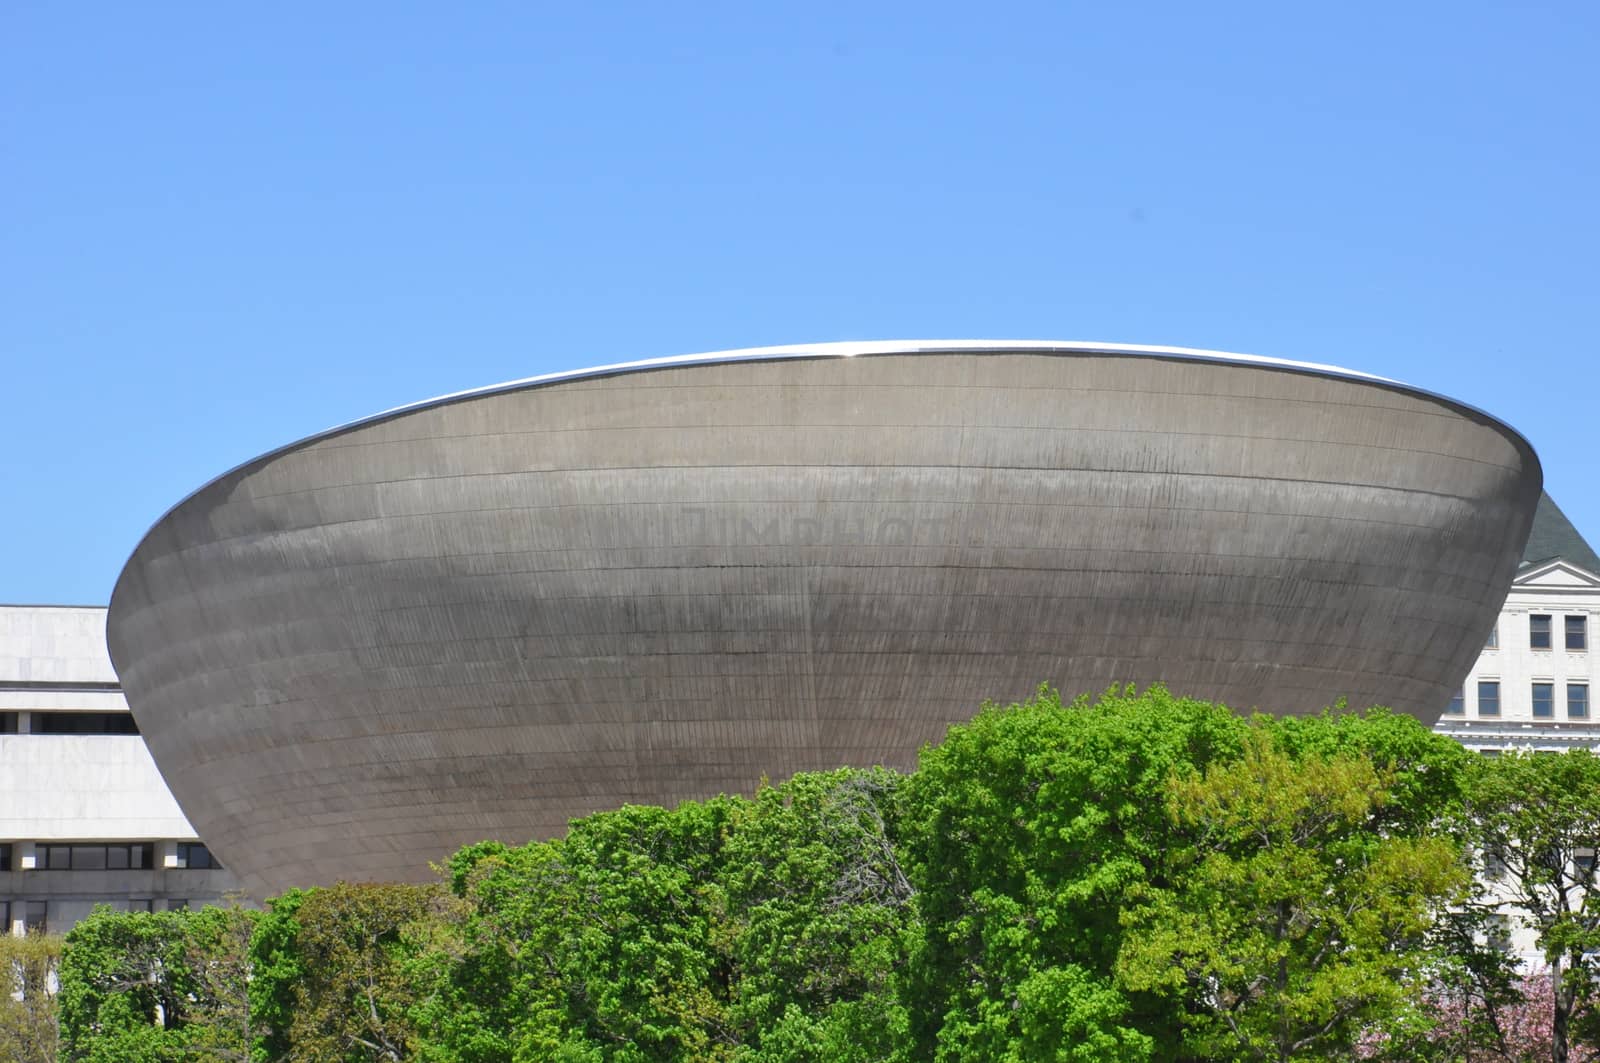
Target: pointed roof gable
[(1554, 536), (1556, 575)]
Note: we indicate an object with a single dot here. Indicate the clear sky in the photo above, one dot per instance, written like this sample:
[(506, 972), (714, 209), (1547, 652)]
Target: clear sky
[(226, 227)]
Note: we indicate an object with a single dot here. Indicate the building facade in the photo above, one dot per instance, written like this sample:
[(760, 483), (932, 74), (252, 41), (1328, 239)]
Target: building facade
[(1535, 683), (85, 817)]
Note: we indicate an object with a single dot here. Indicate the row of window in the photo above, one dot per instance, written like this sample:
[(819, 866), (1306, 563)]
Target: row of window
[(137, 856), (1541, 633), (133, 856), (71, 723), (1544, 700), (1582, 864)]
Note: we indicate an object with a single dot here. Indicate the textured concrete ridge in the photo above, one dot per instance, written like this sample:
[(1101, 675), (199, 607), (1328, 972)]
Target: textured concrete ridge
[(480, 617)]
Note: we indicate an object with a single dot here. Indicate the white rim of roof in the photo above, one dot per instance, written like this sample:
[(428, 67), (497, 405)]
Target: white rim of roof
[(852, 349)]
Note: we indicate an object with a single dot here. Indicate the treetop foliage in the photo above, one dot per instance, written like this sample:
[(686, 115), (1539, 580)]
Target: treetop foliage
[(1134, 877)]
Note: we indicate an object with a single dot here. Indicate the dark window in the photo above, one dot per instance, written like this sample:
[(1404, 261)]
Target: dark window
[(35, 917), (1539, 631), (1497, 931), (135, 857), (82, 723), (1577, 632), (1489, 697), (1544, 699), (1583, 860), (1578, 700), (1458, 703), (196, 855), (5, 917), (177, 904), (138, 856), (142, 906), (1494, 637), (5, 856), (8, 723)]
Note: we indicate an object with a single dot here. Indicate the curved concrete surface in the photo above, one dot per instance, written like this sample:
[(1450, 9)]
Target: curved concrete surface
[(481, 616)]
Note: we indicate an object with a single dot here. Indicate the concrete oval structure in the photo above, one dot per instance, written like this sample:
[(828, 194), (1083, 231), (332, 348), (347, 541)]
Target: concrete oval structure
[(481, 616)]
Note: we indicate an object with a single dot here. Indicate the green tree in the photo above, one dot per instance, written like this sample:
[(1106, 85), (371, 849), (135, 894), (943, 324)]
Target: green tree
[(29, 1030), (152, 986), (603, 944), (219, 1023), (1537, 817), (815, 912), (125, 987), (1140, 877), (1428, 773), (338, 972), (1023, 834), (760, 929), (1292, 924)]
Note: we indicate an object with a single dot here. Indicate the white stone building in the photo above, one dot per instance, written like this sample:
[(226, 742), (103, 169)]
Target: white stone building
[(85, 817), (1535, 683)]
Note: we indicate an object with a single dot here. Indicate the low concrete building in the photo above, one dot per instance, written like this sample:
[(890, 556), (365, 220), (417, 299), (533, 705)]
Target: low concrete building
[(85, 817)]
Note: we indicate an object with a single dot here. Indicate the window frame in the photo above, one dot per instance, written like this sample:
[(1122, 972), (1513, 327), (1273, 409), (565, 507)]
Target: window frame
[(109, 724), (1544, 693), (1535, 634), (187, 852), (1494, 684), (1582, 632), (1583, 701), (1497, 932)]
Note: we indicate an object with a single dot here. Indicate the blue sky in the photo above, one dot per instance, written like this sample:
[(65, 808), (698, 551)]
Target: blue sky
[(225, 229)]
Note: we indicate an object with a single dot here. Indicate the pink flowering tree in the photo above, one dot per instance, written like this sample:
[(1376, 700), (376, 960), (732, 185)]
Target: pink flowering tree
[(1515, 1030)]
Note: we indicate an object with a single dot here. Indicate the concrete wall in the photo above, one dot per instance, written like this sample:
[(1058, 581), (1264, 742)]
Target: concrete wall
[(103, 787), (56, 644), (80, 788), (482, 617)]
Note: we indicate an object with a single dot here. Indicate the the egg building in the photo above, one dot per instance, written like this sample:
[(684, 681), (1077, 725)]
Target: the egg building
[(483, 615)]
